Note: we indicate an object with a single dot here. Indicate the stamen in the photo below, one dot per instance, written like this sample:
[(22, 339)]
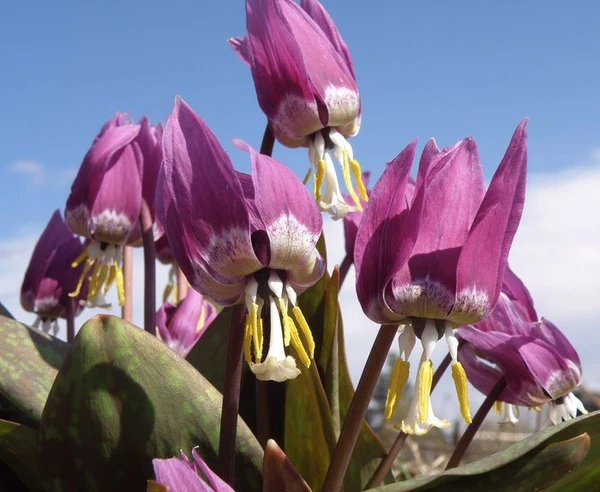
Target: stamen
[(112, 275), (120, 285), (356, 171), (297, 343), (94, 277), (247, 339), (424, 382), (497, 408), (286, 324), (254, 332), (82, 256), (88, 264), (307, 176), (348, 181), (319, 178), (201, 319), (460, 382), (305, 330), (397, 383)]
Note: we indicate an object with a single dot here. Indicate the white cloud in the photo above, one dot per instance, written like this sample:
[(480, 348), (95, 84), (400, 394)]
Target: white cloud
[(33, 170)]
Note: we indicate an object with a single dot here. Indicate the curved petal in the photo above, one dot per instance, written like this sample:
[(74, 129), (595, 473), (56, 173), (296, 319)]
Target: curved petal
[(507, 317), (218, 485), (150, 142), (200, 201), (178, 475), (483, 259), (515, 289), (385, 237)]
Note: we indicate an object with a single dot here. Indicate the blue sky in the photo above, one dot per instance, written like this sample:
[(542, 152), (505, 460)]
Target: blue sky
[(426, 68), (443, 69)]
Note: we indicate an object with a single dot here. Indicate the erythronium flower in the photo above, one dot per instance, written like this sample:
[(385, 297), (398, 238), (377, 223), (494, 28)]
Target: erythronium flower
[(49, 277), (181, 326), (437, 263), (118, 171), (305, 83), (241, 238), (178, 474), (537, 361)]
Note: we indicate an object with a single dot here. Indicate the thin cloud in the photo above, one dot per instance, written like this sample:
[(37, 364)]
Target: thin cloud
[(32, 170)]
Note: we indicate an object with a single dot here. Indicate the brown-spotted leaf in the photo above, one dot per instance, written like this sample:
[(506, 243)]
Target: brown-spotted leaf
[(29, 361), (122, 398)]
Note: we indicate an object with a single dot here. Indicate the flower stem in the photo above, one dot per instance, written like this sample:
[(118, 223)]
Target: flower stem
[(70, 320), (386, 463), (344, 267), (231, 395), (268, 142), (263, 414), (469, 433), (358, 408), (149, 270), (127, 308)]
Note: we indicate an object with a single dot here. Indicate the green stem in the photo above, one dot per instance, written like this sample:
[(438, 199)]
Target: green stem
[(358, 408), (473, 427), (70, 320), (231, 394)]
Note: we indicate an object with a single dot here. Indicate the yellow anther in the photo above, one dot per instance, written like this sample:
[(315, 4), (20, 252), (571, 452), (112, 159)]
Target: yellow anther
[(460, 382), (175, 293), (260, 338), (424, 381), (120, 285), (254, 327), (362, 191), (284, 320), (310, 342), (397, 383), (82, 256), (86, 269), (497, 407), (167, 292), (307, 176), (319, 177), (537, 409), (348, 181), (112, 275), (247, 340), (297, 343), (93, 284), (201, 319)]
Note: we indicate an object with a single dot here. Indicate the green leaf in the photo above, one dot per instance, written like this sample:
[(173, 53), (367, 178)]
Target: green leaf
[(29, 360), (18, 450), (121, 398), (535, 463)]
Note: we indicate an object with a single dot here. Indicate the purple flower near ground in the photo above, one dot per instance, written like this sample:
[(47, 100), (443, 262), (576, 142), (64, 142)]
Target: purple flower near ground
[(49, 277), (181, 326), (178, 474), (537, 361), (241, 238), (305, 84), (437, 263)]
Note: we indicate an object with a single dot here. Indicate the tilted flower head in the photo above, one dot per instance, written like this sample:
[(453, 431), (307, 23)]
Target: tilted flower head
[(118, 170), (437, 263), (49, 277), (181, 326), (305, 83), (241, 238), (178, 474), (537, 361)]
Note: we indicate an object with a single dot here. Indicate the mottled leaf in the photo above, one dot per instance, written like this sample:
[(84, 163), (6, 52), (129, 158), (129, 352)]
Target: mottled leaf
[(535, 463), (121, 398), (18, 450), (29, 360)]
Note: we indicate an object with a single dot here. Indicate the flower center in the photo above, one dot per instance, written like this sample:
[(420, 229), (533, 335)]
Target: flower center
[(106, 260), (284, 330), (332, 201)]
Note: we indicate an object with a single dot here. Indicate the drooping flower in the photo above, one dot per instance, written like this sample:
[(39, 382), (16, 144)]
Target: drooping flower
[(181, 326), (49, 277), (537, 361), (305, 84), (241, 239), (178, 474), (118, 171), (437, 263)]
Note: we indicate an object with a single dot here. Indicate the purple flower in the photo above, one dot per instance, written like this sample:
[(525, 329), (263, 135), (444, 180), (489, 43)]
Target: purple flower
[(49, 277), (178, 474), (118, 171), (437, 263), (180, 326), (305, 84), (537, 361), (241, 238)]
